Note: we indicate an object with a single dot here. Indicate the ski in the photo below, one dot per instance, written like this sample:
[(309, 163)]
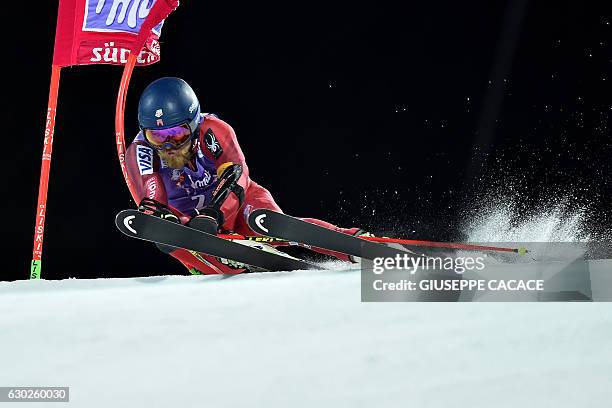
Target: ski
[(137, 224), (279, 225)]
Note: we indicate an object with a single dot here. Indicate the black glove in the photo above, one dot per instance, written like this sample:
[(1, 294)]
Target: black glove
[(154, 207), (213, 212), (228, 183), (208, 220)]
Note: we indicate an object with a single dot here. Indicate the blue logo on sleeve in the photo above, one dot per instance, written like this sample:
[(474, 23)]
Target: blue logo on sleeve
[(144, 156)]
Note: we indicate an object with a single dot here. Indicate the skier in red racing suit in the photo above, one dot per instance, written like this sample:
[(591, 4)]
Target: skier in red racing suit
[(192, 163)]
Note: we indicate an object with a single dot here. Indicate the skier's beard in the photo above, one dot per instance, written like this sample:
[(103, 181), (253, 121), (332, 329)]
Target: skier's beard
[(177, 159)]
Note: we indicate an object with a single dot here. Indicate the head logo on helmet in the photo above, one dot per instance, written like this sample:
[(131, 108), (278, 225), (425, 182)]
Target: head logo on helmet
[(171, 98)]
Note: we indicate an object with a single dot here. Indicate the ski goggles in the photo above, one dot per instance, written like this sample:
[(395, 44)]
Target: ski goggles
[(170, 138)]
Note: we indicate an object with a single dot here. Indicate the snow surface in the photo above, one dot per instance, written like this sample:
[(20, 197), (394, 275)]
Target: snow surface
[(296, 339)]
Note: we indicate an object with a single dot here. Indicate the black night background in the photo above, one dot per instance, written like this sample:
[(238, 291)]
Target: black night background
[(402, 121)]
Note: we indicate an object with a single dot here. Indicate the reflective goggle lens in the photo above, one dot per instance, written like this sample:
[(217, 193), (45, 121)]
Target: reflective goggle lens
[(168, 138)]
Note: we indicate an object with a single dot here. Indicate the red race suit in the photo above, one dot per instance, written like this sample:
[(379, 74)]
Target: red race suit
[(191, 188)]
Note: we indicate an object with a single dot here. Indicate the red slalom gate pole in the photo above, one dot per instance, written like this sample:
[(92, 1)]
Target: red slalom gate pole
[(119, 121), (43, 187)]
